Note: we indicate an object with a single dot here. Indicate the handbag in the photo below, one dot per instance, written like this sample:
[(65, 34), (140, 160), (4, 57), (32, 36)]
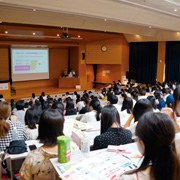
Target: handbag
[(17, 147)]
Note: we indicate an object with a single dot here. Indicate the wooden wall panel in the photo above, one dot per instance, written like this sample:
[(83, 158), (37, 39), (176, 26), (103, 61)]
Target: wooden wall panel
[(4, 64), (74, 58), (161, 61), (113, 75), (113, 55), (82, 66), (90, 76), (58, 62)]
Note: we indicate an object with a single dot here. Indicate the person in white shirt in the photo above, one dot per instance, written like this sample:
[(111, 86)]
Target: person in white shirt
[(92, 117), (142, 106), (20, 113), (80, 104), (142, 94), (126, 110), (155, 140), (113, 101), (1, 98), (153, 101)]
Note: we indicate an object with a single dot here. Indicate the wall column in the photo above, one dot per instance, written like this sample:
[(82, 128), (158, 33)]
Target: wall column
[(161, 61)]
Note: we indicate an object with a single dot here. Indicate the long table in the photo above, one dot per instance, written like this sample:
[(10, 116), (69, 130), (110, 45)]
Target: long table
[(81, 163), (68, 82)]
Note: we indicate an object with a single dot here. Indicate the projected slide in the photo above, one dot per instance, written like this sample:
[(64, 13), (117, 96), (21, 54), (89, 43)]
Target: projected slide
[(30, 64)]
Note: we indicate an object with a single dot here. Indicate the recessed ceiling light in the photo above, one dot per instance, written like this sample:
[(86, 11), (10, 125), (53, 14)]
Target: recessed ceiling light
[(34, 9), (175, 10), (6, 32), (79, 36), (105, 19), (34, 33), (150, 27), (58, 35)]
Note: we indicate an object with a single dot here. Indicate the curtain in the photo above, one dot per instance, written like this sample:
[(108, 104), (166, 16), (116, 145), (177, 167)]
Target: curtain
[(143, 61), (172, 71)]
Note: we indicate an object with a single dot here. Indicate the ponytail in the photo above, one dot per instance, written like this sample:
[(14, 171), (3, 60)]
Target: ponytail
[(4, 128)]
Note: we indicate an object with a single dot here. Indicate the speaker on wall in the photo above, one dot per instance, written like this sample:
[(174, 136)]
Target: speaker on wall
[(83, 56)]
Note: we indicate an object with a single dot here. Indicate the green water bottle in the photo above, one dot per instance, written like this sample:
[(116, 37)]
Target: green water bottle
[(64, 151)]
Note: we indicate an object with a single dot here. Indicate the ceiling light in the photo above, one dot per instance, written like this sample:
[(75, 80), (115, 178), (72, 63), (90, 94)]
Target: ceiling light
[(6, 32), (79, 36), (34, 9), (34, 33), (175, 10), (58, 35), (105, 19), (150, 27)]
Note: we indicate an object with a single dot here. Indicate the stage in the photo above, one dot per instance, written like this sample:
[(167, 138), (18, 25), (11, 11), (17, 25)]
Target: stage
[(26, 93)]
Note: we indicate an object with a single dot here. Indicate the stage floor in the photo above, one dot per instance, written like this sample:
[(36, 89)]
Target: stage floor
[(26, 93)]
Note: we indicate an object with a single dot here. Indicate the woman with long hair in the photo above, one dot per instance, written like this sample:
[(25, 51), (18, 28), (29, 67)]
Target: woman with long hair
[(111, 131), (156, 134)]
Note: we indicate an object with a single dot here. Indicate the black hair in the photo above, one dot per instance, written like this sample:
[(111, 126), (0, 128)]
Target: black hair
[(141, 106), (109, 115), (50, 127), (70, 105), (43, 94), (20, 105), (142, 92), (31, 118), (134, 94), (33, 95), (1, 95), (157, 132), (58, 105), (96, 106), (176, 96), (152, 99), (127, 104)]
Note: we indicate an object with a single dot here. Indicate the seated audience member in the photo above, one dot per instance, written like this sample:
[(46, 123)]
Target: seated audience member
[(44, 96), (58, 106), (38, 107), (170, 100), (86, 108), (37, 162), (156, 133), (13, 105), (31, 121), (92, 117), (77, 97), (80, 104), (142, 94), (176, 104), (111, 131), (33, 98), (152, 99), (134, 96), (70, 110), (113, 101), (1, 98), (126, 110), (142, 106), (20, 113), (6, 127), (161, 101)]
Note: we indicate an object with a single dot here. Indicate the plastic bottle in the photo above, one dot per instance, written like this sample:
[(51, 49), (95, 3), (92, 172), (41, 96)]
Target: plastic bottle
[(14, 134), (85, 144)]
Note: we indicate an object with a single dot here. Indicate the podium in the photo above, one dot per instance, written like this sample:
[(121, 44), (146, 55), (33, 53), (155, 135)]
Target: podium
[(69, 82)]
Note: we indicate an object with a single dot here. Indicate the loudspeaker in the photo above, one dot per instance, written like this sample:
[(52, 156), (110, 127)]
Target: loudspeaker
[(83, 56)]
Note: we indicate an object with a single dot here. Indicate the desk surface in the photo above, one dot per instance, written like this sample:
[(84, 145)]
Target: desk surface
[(68, 82), (79, 158)]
